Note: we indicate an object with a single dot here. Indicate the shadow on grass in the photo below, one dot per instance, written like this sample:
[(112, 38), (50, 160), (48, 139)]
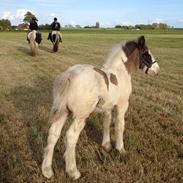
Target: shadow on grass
[(94, 128), (24, 50), (34, 103), (49, 49), (45, 48)]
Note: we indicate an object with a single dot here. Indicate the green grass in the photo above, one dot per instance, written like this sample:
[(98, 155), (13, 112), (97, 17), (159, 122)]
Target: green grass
[(154, 126)]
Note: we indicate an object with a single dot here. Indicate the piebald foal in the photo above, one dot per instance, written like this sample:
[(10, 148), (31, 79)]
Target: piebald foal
[(83, 88)]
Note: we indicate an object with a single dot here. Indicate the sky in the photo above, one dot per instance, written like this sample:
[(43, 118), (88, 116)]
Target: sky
[(87, 12)]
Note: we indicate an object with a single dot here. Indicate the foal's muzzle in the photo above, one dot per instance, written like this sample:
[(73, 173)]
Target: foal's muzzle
[(146, 65), (149, 66)]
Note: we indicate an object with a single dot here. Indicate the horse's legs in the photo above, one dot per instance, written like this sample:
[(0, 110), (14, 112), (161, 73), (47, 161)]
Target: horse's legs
[(119, 126), (72, 136), (106, 143), (36, 47), (54, 133)]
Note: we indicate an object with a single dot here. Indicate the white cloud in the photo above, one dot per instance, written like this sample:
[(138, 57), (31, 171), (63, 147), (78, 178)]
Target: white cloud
[(158, 20), (20, 13), (180, 20), (126, 23), (52, 14), (16, 16), (72, 22), (7, 15), (112, 23)]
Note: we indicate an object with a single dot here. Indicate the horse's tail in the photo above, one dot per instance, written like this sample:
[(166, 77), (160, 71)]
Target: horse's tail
[(33, 44), (56, 42), (60, 97)]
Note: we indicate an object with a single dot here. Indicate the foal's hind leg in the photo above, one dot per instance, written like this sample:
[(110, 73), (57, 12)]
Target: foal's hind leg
[(72, 136), (54, 133), (106, 142)]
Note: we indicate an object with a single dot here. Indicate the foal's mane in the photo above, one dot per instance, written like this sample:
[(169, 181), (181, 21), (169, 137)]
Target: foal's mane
[(119, 54), (125, 55), (115, 56)]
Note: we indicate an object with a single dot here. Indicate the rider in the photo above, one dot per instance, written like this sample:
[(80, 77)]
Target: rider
[(55, 26), (34, 26)]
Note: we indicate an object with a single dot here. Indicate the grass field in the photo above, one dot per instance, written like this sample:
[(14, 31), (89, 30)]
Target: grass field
[(154, 121)]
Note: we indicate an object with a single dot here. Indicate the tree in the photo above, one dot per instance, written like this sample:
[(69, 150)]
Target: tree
[(78, 26), (5, 24), (69, 26), (143, 26), (118, 26), (28, 17)]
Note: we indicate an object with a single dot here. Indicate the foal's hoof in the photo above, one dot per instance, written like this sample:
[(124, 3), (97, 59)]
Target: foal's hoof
[(74, 174), (121, 151), (47, 172), (107, 146)]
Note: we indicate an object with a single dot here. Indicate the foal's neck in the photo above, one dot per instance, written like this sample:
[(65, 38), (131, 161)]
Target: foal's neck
[(132, 62)]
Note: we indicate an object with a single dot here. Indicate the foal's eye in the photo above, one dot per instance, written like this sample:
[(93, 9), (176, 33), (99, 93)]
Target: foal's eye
[(147, 56)]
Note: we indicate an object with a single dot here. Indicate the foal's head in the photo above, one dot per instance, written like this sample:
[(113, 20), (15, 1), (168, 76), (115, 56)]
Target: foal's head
[(139, 55)]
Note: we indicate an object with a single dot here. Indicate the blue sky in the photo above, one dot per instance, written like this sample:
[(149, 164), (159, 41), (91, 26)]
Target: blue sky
[(87, 12)]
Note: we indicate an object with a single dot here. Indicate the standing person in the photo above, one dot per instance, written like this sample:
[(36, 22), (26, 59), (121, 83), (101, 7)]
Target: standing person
[(34, 26), (55, 26)]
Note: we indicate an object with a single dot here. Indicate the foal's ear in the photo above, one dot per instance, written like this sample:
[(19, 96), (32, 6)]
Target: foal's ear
[(141, 42)]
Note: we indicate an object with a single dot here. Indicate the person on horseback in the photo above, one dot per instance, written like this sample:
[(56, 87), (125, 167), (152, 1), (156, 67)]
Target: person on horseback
[(34, 26), (55, 26)]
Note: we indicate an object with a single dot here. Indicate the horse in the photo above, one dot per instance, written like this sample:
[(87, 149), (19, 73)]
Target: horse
[(55, 39), (82, 89), (34, 39)]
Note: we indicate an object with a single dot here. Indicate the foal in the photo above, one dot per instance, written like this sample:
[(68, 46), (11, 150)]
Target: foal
[(83, 88)]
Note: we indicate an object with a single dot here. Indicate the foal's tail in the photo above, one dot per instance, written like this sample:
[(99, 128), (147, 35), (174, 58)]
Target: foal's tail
[(60, 96)]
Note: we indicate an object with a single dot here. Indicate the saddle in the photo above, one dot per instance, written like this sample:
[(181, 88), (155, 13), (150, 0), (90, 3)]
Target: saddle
[(51, 36), (38, 37)]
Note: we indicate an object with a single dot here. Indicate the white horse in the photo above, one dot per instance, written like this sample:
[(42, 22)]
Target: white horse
[(83, 88), (32, 42)]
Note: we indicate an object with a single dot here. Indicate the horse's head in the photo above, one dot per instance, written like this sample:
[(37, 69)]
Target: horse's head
[(141, 55), (147, 62)]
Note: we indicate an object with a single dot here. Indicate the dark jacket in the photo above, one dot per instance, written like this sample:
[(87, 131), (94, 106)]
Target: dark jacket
[(55, 26), (33, 26)]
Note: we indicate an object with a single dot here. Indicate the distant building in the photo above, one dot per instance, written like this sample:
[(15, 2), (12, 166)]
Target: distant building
[(97, 25), (24, 26)]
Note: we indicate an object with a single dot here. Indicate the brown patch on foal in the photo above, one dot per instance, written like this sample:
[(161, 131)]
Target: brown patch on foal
[(113, 79), (101, 102), (133, 61), (104, 75)]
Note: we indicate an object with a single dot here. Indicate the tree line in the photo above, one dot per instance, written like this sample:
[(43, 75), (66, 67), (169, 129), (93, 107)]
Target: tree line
[(146, 26), (5, 24)]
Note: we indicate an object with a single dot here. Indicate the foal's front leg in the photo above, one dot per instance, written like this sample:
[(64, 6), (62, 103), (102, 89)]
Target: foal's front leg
[(119, 126), (106, 142)]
